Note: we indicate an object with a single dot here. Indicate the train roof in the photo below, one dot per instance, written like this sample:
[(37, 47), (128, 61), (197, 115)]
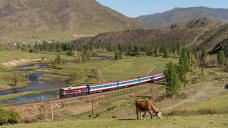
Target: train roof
[(71, 88), (96, 84)]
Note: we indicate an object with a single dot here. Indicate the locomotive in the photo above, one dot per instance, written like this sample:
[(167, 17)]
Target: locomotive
[(108, 86)]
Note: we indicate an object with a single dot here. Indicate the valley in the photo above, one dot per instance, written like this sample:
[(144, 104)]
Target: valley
[(82, 63)]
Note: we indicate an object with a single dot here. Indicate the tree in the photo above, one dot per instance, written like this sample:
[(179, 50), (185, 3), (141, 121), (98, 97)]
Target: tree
[(182, 74), (184, 60), (70, 53), (17, 78), (203, 57), (172, 80), (221, 58), (85, 56), (178, 49), (58, 59), (77, 75), (99, 74), (193, 60), (118, 55), (165, 52), (156, 51)]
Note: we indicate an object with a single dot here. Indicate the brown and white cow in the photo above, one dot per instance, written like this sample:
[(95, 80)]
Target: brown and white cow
[(146, 105)]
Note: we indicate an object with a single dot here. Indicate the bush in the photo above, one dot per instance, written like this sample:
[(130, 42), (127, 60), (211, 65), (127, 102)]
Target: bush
[(7, 117), (14, 117), (4, 117), (226, 86)]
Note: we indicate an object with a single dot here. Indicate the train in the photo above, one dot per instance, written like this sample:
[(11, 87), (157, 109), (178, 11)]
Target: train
[(108, 86)]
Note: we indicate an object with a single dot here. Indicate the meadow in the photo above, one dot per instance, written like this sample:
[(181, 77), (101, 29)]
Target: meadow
[(205, 121), (113, 70)]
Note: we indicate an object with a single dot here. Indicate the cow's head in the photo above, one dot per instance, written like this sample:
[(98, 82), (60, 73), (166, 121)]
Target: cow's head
[(159, 114)]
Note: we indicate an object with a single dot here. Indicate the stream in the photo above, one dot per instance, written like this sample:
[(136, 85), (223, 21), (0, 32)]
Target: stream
[(36, 84)]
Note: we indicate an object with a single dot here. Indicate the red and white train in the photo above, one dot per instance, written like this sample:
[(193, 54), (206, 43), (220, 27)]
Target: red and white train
[(108, 86)]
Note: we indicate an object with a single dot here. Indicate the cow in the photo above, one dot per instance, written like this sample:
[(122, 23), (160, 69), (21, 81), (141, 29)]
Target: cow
[(146, 105)]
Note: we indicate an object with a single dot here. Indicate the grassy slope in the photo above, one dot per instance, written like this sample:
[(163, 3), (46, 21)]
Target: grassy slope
[(219, 103), (211, 121), (117, 69)]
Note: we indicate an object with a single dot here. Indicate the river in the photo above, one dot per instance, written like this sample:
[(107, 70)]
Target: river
[(37, 84)]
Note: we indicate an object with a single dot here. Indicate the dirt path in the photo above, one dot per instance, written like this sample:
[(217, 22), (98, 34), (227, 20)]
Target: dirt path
[(206, 91)]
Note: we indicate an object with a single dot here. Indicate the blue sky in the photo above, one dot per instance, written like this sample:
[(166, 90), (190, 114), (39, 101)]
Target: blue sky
[(133, 8)]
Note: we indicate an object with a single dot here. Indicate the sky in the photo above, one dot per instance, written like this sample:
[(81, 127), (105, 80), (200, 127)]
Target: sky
[(134, 8)]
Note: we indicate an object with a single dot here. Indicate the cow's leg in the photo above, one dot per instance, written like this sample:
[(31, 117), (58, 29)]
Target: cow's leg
[(141, 115), (144, 113), (151, 115), (137, 113)]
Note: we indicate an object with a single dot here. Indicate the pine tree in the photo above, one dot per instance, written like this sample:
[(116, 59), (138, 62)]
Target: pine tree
[(172, 80), (129, 50), (165, 52), (203, 57), (193, 60), (178, 49), (182, 74), (118, 55), (185, 60), (58, 59), (156, 51), (221, 58)]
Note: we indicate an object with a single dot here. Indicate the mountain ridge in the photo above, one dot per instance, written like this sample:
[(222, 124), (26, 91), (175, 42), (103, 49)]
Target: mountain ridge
[(182, 14), (182, 32)]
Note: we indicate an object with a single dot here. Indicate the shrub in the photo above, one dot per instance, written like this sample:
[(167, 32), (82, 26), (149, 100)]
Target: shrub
[(13, 117), (8, 117), (4, 117)]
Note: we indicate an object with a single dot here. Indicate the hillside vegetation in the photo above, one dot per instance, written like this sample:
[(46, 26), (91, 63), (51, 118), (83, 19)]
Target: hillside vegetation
[(181, 32)]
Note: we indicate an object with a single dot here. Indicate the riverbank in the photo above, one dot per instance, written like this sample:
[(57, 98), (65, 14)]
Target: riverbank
[(24, 94)]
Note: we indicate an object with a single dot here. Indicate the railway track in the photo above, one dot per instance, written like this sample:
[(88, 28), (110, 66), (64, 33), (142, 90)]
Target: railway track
[(79, 98), (76, 105)]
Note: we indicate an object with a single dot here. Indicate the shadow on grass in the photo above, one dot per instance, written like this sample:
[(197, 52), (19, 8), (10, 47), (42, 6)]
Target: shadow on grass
[(126, 119)]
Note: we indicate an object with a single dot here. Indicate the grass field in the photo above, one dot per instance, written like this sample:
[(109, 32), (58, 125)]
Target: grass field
[(17, 54), (206, 121), (116, 69), (112, 69)]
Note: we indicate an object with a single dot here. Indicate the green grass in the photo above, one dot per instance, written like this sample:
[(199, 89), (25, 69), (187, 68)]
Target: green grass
[(116, 69), (206, 121), (17, 54), (219, 103), (112, 69)]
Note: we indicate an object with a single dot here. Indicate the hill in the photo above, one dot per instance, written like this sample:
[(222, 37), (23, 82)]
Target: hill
[(57, 19), (216, 38), (221, 46), (183, 32), (182, 14)]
